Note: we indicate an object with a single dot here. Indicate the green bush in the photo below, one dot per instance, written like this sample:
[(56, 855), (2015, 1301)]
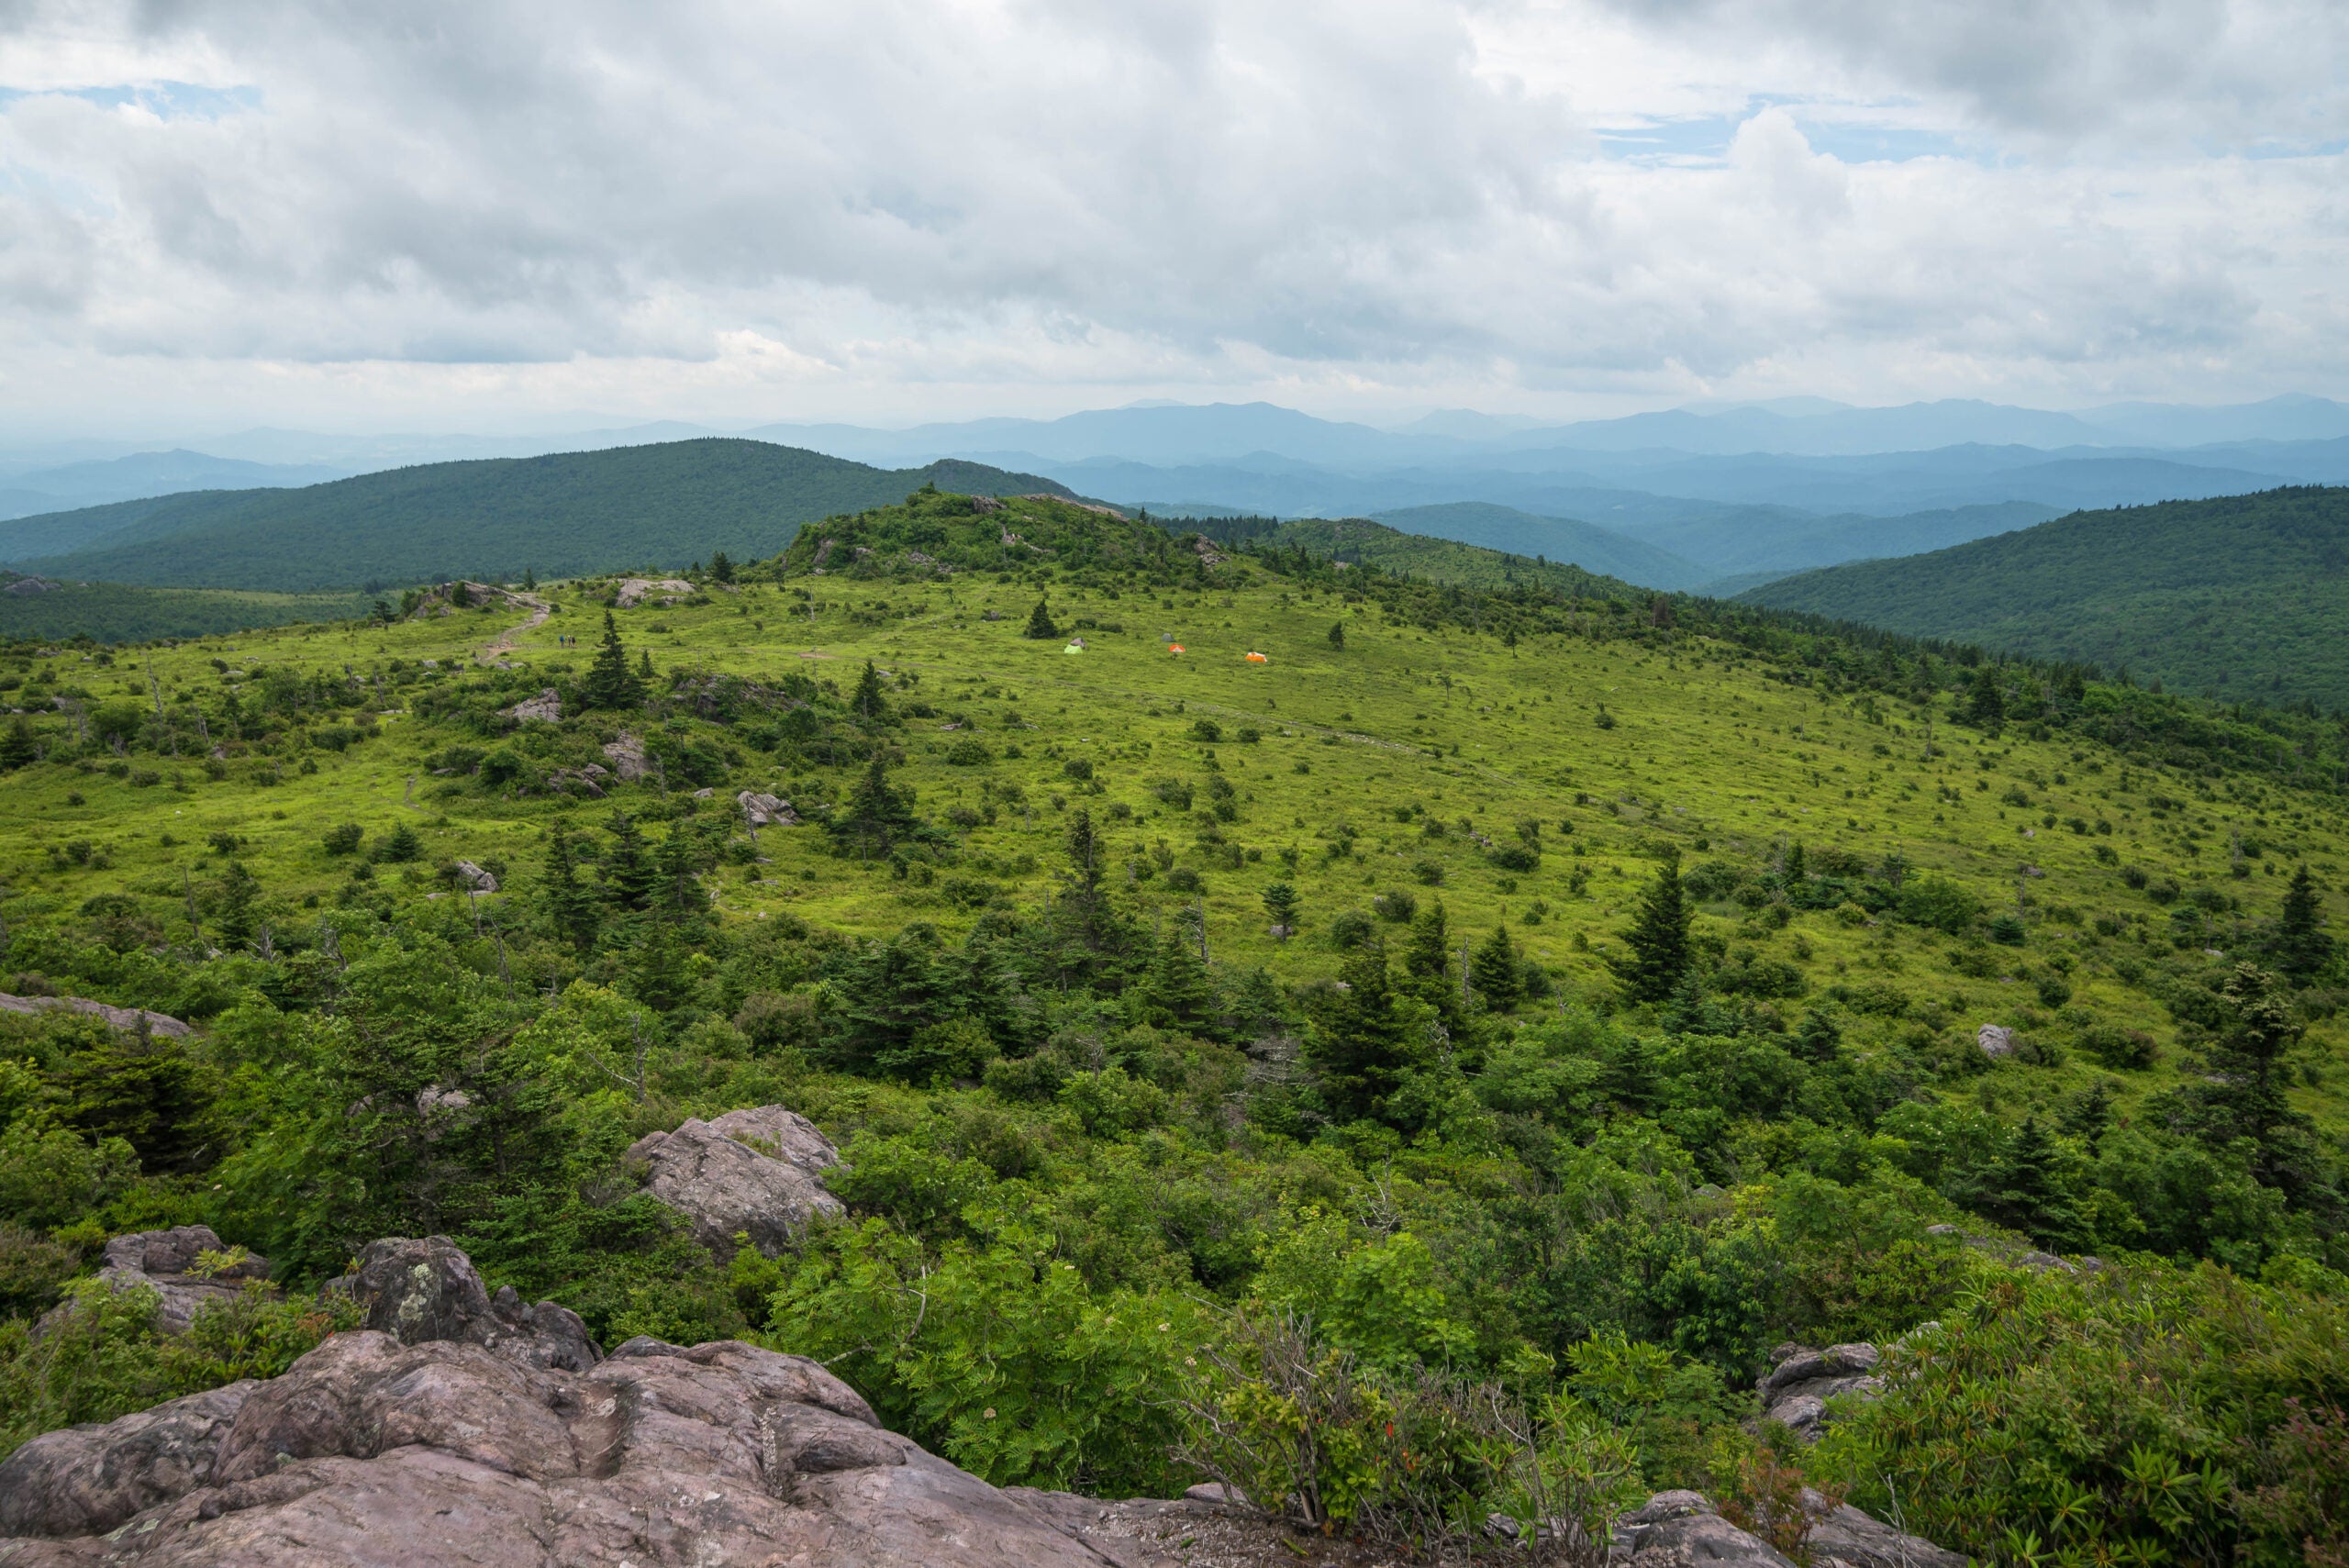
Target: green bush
[(103, 1356), (2137, 1414)]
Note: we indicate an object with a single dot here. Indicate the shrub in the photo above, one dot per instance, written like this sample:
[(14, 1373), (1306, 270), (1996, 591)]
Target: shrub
[(1399, 906), (2112, 1046), (1419, 1461), (344, 838), (966, 752), (2133, 1413), (1350, 929), (1205, 730), (2009, 930), (104, 1356)]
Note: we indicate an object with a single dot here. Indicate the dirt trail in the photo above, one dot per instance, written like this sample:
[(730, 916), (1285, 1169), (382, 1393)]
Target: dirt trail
[(540, 610)]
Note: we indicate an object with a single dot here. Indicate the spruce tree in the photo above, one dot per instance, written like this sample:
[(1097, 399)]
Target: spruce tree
[(1338, 636), (721, 569), (16, 749), (2243, 1095), (1494, 973), (878, 815), (2027, 1192), (2302, 949), (610, 683), (1281, 903), (571, 909), (1040, 623), (1658, 941), (869, 704), (1986, 705), (1427, 961), (1358, 1044), (629, 875), (1177, 992)]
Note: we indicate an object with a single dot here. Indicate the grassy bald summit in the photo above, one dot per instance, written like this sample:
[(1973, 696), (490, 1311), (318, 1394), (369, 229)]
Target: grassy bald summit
[(557, 516), (2244, 596)]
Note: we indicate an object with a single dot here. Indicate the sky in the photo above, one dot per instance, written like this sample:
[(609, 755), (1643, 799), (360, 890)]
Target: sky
[(481, 215)]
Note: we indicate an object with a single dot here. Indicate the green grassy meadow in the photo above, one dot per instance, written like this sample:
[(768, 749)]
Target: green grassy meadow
[(1707, 755)]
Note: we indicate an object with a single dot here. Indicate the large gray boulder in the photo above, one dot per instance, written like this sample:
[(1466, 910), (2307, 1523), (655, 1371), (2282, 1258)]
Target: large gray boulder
[(755, 1173), (425, 1290), (1683, 1530), (1796, 1389), (446, 1454)]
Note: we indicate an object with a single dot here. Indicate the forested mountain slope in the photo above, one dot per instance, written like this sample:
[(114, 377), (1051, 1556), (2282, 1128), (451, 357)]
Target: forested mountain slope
[(2246, 597), (628, 506), (1481, 997)]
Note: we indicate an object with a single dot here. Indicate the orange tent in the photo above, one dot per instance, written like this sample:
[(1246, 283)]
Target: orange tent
[(1174, 647), (1258, 659)]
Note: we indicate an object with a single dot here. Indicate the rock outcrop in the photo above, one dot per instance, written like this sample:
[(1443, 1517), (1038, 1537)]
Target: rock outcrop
[(427, 1290), (132, 1020), (634, 591), (1683, 1530), (370, 1451), (166, 1261), (544, 708), (627, 758), (757, 1172), (765, 810), (1796, 1389)]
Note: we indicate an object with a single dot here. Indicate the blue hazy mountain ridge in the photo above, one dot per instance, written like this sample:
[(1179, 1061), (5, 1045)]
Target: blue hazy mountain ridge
[(1566, 540), (140, 475)]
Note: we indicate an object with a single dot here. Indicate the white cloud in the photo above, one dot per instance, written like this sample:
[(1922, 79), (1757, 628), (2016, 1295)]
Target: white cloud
[(715, 205)]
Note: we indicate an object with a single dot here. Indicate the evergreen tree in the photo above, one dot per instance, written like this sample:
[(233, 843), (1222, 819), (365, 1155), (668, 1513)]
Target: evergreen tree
[(1986, 703), (1084, 900), (1176, 993), (644, 666), (1819, 1039), (400, 846), (721, 569), (529, 581), (678, 888), (1658, 941), (869, 704), (571, 908), (1040, 623), (2302, 949), (16, 749), (1494, 973), (1281, 903), (629, 875), (1338, 636), (2027, 1192), (1358, 1043), (1427, 961), (2241, 1097), (240, 890), (609, 681), (878, 815)]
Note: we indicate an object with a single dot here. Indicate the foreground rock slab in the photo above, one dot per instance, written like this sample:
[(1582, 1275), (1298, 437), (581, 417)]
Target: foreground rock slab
[(440, 1454)]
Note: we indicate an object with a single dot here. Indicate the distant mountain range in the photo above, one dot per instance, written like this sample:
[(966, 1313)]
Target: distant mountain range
[(1705, 496), (557, 516)]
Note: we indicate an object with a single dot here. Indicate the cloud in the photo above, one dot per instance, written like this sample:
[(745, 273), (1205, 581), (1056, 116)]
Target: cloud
[(791, 206)]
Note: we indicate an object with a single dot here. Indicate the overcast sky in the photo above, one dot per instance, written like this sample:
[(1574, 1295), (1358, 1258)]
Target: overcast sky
[(474, 215)]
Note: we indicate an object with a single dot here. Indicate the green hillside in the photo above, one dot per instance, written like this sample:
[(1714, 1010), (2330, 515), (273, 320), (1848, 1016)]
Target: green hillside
[(1622, 1022), (1593, 549), (1360, 542), (111, 612), (560, 515), (2243, 597)]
